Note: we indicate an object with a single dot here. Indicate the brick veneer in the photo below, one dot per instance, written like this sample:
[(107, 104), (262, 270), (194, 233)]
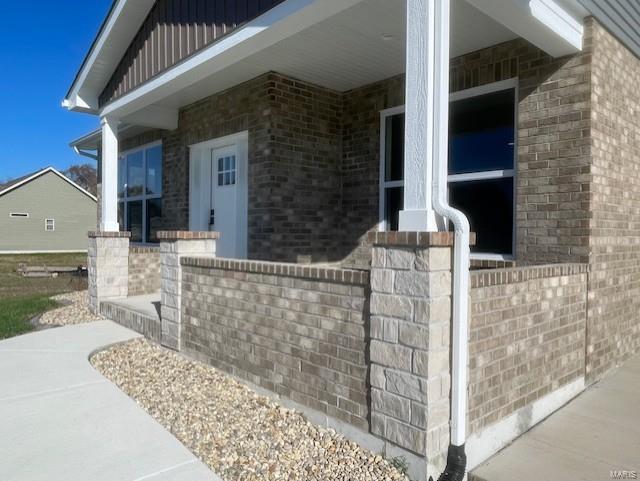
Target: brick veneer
[(144, 270), (613, 332), (526, 339), (301, 334), (108, 267)]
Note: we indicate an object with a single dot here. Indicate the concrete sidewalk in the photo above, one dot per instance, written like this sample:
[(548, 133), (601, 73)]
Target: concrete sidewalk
[(595, 434), (61, 420)]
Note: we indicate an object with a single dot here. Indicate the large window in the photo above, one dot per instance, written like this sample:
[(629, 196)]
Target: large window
[(140, 192), (481, 165)]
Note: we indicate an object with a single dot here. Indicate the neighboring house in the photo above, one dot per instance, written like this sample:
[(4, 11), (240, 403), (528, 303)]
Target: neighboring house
[(45, 212), (307, 131)]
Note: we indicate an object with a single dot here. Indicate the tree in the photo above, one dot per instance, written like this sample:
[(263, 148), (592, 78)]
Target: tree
[(85, 175)]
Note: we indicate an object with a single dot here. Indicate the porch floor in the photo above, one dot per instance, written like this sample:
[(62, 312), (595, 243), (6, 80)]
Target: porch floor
[(140, 313), (595, 434), (148, 305)]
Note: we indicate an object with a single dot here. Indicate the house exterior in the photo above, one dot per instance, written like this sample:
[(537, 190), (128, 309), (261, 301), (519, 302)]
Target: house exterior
[(45, 212), (292, 159)]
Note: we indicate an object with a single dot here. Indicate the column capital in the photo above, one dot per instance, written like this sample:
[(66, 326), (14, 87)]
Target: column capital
[(110, 120)]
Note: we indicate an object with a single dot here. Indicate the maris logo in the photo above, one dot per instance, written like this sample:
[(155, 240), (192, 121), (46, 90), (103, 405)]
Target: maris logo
[(624, 475)]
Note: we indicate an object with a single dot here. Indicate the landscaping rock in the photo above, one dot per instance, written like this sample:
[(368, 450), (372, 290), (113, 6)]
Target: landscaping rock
[(239, 434), (75, 310)]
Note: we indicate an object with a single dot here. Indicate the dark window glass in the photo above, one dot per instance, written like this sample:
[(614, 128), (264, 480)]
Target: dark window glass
[(394, 147), (122, 177), (154, 171), (121, 216), (134, 220), (481, 133), (394, 202), (135, 174), (154, 219), (489, 206)]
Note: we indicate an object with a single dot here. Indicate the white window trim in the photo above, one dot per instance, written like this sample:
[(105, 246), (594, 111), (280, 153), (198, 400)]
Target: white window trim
[(53, 225), (485, 175), (144, 197), (19, 215)]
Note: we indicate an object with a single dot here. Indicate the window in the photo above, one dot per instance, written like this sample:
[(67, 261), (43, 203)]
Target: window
[(482, 153), (49, 225), (140, 192), (19, 215), (227, 170)]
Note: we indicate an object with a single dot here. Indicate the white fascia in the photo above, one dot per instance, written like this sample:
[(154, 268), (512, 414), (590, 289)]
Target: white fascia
[(545, 23), (279, 23)]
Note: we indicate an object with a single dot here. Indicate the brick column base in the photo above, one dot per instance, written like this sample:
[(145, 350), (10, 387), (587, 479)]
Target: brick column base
[(108, 267), (173, 246), (410, 339)]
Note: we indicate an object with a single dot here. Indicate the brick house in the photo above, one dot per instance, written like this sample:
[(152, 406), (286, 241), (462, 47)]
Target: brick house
[(274, 148)]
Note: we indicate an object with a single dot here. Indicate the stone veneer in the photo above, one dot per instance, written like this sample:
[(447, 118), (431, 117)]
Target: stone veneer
[(174, 245), (410, 339), (144, 270), (108, 267)]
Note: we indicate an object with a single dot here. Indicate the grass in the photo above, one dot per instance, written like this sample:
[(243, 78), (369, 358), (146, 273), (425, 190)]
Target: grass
[(23, 298), (16, 312)]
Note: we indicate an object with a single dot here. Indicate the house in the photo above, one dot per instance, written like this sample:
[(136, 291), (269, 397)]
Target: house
[(45, 212), (298, 162)]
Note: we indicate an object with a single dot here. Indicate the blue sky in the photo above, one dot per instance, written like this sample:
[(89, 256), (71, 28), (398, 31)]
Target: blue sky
[(41, 46)]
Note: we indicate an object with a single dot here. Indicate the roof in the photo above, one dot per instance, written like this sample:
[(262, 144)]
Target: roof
[(25, 179)]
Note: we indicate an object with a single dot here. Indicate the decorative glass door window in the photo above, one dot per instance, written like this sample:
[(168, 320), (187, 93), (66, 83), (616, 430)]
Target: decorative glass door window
[(482, 154), (140, 193), (227, 170)]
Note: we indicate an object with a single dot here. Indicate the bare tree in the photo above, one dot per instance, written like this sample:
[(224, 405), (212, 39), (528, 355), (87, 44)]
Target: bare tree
[(85, 175)]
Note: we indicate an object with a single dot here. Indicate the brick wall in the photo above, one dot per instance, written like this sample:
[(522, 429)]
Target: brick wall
[(527, 337), (614, 288), (297, 331), (144, 270)]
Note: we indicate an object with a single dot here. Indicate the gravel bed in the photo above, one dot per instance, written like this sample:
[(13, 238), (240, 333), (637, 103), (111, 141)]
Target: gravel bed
[(74, 311), (240, 435)]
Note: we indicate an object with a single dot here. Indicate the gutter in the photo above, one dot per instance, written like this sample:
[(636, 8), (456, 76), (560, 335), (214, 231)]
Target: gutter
[(84, 153), (456, 458)]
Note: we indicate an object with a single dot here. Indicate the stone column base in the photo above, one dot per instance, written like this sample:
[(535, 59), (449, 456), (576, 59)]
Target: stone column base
[(173, 246), (108, 267)]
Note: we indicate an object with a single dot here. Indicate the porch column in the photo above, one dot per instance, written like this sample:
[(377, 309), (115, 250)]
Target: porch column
[(109, 198), (424, 33)]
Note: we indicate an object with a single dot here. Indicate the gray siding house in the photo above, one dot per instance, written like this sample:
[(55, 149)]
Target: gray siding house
[(45, 212)]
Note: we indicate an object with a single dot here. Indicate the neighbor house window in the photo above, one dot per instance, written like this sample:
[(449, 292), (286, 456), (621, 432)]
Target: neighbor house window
[(140, 192), (49, 224), (19, 215), (481, 165)]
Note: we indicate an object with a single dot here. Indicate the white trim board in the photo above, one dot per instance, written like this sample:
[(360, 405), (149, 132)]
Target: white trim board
[(481, 446), (78, 251), (41, 173)]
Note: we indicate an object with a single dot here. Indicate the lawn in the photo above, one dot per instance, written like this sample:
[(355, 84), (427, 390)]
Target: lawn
[(23, 298)]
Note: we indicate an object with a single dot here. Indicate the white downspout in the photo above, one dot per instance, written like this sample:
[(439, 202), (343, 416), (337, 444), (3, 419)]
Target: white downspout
[(461, 263)]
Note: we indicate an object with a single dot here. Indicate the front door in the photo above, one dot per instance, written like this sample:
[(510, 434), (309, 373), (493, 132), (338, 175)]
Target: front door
[(218, 192)]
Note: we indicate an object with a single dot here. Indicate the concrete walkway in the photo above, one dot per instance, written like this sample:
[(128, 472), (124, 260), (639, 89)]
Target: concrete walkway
[(61, 420), (595, 434)]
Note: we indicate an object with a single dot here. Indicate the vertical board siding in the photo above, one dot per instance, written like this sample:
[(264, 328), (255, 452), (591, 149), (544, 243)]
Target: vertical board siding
[(173, 31)]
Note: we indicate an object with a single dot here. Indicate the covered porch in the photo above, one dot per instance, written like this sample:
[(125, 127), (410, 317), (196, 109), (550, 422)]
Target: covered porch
[(300, 163)]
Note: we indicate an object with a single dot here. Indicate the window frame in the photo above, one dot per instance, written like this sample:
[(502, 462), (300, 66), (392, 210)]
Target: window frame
[(126, 199), (509, 84), (46, 225)]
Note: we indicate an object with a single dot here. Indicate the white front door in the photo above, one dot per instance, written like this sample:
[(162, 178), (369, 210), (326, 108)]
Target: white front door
[(218, 192)]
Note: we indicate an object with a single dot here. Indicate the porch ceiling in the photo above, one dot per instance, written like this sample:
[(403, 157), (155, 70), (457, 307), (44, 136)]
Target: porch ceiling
[(359, 46)]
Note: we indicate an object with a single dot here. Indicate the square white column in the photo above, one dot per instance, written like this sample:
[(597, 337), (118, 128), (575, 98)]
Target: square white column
[(109, 206)]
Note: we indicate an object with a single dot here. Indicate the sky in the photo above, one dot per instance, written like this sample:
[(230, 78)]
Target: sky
[(42, 44)]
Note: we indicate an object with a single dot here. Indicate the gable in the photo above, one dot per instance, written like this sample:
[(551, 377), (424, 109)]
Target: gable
[(175, 30)]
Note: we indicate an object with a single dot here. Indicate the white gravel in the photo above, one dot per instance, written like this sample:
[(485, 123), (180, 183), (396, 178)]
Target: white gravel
[(74, 311), (239, 434)]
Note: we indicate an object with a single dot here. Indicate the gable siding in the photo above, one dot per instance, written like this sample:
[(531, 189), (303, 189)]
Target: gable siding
[(620, 17), (47, 197), (175, 30)]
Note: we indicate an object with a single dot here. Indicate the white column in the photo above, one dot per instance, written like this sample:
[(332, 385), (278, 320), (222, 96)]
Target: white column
[(109, 199), (422, 92)]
